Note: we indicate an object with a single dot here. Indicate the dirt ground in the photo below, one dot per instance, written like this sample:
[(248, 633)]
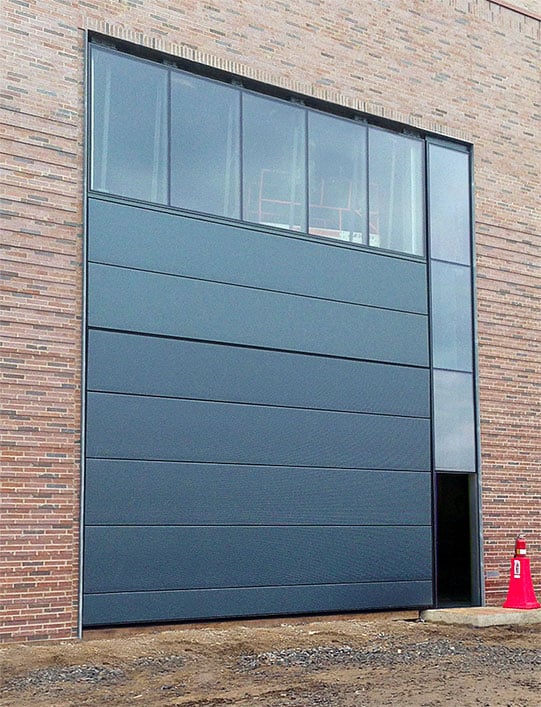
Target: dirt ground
[(345, 661)]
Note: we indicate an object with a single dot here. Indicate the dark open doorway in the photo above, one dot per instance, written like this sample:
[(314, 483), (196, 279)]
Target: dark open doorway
[(455, 550)]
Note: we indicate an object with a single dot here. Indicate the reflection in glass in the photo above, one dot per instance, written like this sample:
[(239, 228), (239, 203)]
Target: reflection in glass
[(454, 421), (451, 316), (205, 145), (220, 149), (129, 127), (337, 178), (274, 163), (396, 192), (449, 204)]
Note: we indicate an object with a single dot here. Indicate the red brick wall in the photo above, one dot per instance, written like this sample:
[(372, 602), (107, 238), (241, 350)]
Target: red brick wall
[(40, 343), (466, 68)]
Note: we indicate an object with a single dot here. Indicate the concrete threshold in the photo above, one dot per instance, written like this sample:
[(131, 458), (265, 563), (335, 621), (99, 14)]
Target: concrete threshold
[(482, 616)]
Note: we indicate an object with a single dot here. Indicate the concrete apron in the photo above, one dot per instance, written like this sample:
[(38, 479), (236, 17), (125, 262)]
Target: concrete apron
[(481, 616)]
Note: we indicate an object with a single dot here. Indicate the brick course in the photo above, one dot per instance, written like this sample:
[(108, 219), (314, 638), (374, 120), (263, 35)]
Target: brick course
[(463, 68)]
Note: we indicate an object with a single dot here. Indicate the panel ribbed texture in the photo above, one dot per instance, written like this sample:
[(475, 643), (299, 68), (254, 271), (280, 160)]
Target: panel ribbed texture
[(175, 493), (125, 607), (166, 429), (258, 422), (165, 558), (148, 365), (146, 302), (241, 255)]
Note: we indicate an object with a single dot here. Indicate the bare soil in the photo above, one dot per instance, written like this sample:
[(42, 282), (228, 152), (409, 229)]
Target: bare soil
[(345, 661)]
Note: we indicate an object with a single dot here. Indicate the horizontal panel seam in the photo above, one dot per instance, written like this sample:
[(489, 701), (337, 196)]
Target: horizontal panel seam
[(258, 405), (251, 347), (285, 293), (249, 464), (428, 580), (261, 525), (258, 466)]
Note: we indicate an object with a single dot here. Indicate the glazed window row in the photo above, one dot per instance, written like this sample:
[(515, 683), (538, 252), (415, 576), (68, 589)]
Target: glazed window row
[(166, 136)]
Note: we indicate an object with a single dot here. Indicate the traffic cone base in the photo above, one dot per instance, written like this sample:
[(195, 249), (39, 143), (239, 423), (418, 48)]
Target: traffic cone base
[(521, 593)]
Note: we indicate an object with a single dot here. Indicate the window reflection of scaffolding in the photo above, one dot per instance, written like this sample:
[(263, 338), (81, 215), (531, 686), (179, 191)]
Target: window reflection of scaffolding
[(279, 200), (335, 209), (374, 230)]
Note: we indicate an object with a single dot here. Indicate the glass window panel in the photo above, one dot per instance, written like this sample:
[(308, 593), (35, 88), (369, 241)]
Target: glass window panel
[(129, 127), (396, 186), (337, 178), (454, 421), (451, 316), (205, 145), (274, 163), (449, 204)]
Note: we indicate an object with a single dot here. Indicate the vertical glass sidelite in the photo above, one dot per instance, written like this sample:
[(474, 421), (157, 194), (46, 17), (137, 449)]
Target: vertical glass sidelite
[(451, 316), (274, 162), (129, 127), (205, 145), (454, 421), (451, 294), (337, 178), (449, 204), (396, 191)]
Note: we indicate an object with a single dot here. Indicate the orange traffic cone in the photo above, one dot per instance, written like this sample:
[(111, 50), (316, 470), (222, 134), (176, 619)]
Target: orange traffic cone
[(521, 593)]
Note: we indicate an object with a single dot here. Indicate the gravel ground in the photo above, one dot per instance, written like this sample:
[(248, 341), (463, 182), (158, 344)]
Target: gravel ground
[(356, 661)]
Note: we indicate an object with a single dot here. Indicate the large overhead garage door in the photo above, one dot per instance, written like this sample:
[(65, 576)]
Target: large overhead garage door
[(257, 436)]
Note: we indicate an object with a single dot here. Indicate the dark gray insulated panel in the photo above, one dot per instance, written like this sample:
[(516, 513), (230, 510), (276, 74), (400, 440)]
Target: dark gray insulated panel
[(170, 243), (166, 429), (147, 365), (129, 607), (261, 441), (145, 302), (169, 493), (130, 558)]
